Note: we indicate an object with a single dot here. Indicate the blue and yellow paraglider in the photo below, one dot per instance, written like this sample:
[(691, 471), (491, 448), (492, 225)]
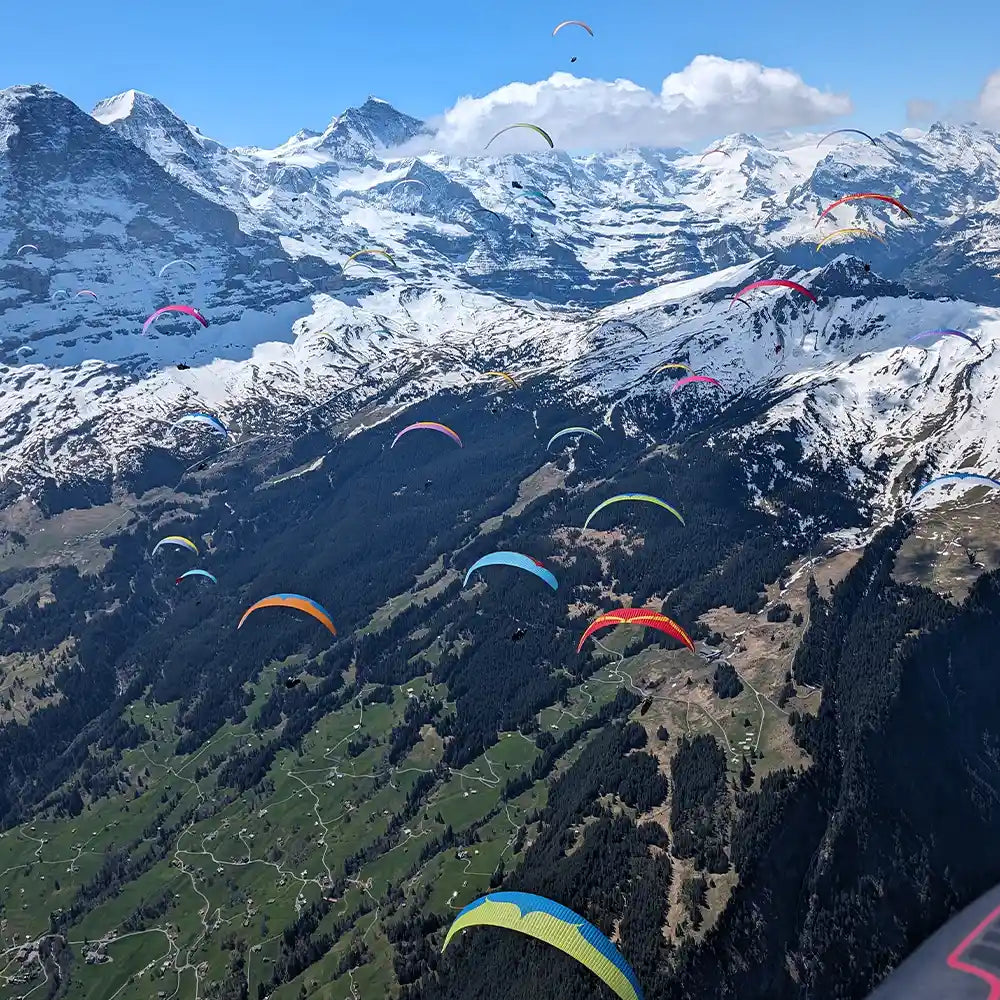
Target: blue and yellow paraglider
[(556, 925)]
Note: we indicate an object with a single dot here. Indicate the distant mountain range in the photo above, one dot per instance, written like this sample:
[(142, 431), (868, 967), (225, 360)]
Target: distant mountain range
[(484, 278)]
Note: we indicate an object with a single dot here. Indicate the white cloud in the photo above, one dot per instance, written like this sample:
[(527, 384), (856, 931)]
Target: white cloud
[(983, 109), (711, 96), (987, 110), (918, 110)]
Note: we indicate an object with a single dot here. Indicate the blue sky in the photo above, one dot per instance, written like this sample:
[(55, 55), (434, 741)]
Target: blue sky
[(252, 72)]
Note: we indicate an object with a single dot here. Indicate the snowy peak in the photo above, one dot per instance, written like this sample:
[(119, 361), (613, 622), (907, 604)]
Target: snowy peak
[(113, 109), (154, 128), (359, 132), (36, 120)]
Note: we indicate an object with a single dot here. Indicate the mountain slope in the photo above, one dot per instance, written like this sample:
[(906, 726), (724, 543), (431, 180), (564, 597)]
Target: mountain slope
[(271, 810)]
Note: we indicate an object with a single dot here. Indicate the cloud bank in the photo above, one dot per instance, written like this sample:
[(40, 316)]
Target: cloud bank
[(988, 103), (984, 109), (711, 96)]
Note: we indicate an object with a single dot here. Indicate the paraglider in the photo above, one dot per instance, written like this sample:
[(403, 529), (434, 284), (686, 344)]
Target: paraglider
[(178, 261), (673, 364), (297, 603), (516, 560), (428, 425), (774, 282), (573, 430), (27, 246), (186, 310), (488, 211), (196, 572), (865, 194), (637, 497), (689, 379), (852, 231), (373, 250), (637, 616), (509, 378), (60, 291), (87, 291), (556, 925), (559, 27), (625, 324), (840, 131), (545, 135), (179, 540), (208, 419), (538, 196), (944, 333), (974, 478), (709, 152), (405, 181)]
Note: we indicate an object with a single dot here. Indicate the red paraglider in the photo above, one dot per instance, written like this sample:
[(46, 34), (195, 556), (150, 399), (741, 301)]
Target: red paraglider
[(637, 616), (767, 282), (865, 194)]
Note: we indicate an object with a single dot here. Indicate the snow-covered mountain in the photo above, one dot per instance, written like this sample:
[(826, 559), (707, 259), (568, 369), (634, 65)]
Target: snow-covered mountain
[(479, 276)]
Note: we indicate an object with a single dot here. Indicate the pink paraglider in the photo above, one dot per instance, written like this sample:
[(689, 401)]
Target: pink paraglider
[(187, 310), (693, 378)]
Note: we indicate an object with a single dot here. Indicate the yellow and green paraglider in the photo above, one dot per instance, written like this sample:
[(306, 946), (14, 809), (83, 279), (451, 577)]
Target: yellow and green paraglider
[(851, 231), (556, 925), (641, 497), (372, 250), (545, 135), (509, 378)]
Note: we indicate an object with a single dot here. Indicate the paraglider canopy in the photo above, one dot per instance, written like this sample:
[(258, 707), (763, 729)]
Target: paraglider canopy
[(428, 425), (573, 430), (637, 616), (689, 379), (864, 194), (545, 135), (509, 378), (518, 561), (944, 333), (632, 497), (208, 419), (297, 603), (559, 27), (373, 250), (186, 310), (178, 261), (179, 540), (841, 131), (774, 283), (852, 231), (556, 925), (536, 195), (970, 478)]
